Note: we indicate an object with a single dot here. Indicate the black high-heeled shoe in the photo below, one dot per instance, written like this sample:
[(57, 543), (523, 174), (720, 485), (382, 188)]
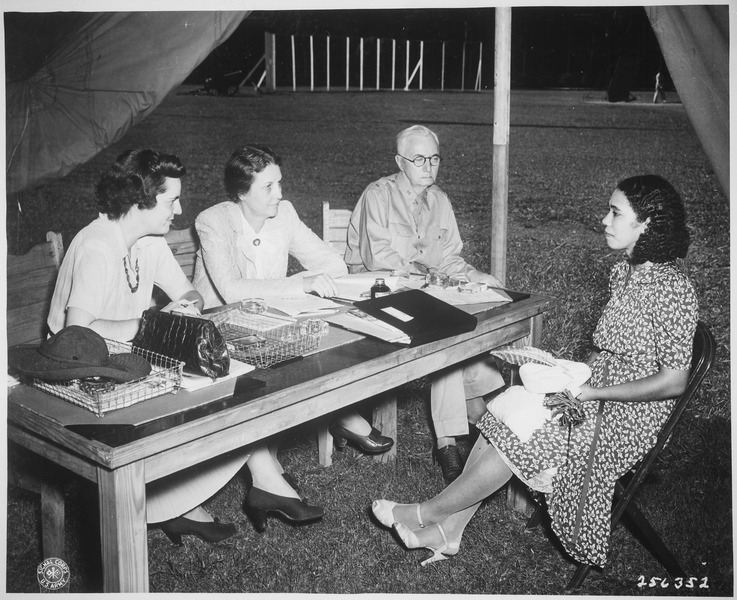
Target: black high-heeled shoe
[(211, 532), (292, 481), (373, 443), (259, 504)]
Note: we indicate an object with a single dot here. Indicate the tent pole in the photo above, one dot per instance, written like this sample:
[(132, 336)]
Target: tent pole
[(500, 159)]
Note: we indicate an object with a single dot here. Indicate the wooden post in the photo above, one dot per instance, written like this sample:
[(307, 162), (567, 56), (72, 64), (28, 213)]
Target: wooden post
[(406, 67), (414, 72), (347, 62), (294, 69), (500, 166), (477, 87), (442, 70), (270, 72), (463, 67), (327, 59), (360, 67), (312, 65), (422, 60), (378, 60)]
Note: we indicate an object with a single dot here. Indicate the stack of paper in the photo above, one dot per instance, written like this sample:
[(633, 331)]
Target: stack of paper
[(453, 296), (356, 320), (193, 382), (305, 305)]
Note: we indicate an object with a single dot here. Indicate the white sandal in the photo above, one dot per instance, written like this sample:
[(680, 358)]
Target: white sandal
[(383, 511), (442, 552)]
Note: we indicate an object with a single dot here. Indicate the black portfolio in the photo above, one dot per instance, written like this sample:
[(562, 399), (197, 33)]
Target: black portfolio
[(419, 315)]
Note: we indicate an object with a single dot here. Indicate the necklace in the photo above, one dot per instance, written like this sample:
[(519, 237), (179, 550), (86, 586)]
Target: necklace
[(134, 288)]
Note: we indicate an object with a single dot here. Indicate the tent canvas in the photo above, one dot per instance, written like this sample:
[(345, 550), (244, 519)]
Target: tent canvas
[(695, 44), (107, 74)]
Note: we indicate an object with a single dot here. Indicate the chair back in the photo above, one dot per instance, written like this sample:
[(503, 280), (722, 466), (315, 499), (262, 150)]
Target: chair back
[(335, 227), (184, 244), (704, 349), (31, 278)]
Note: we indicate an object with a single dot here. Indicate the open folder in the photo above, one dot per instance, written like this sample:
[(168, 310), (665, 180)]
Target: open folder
[(420, 316)]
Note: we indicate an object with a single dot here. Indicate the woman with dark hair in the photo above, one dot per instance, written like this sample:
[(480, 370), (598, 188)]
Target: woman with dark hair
[(245, 244), (640, 363), (105, 283)]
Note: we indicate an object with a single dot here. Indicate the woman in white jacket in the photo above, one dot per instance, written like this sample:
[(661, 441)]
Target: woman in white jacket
[(245, 244)]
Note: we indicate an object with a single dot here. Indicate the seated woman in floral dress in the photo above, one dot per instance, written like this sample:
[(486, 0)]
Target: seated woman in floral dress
[(640, 363)]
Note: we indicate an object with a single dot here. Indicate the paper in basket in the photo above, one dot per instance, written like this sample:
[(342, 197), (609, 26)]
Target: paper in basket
[(264, 340)]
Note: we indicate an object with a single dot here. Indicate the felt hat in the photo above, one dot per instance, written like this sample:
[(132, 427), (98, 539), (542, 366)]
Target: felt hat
[(76, 353), (544, 379)]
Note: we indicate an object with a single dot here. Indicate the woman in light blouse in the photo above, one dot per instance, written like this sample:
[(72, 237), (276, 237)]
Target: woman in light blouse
[(245, 244)]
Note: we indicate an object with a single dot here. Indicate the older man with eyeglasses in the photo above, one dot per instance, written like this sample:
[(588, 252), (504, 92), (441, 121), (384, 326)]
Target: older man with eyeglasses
[(404, 222)]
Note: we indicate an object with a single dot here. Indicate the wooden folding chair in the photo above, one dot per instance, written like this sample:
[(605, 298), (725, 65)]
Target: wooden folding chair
[(31, 278), (626, 488), (335, 227), (335, 223)]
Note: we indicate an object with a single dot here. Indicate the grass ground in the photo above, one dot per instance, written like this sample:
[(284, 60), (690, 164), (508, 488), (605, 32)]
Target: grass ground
[(566, 156)]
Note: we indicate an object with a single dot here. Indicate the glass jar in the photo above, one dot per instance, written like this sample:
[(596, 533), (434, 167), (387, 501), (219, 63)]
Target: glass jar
[(379, 288)]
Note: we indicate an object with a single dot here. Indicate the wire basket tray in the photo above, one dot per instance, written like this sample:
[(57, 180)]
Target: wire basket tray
[(102, 397), (262, 340)]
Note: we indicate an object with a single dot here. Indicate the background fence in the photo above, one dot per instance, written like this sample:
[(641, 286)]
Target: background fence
[(333, 63)]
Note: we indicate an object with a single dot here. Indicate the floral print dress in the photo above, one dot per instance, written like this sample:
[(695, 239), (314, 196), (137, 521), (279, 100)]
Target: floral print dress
[(648, 323)]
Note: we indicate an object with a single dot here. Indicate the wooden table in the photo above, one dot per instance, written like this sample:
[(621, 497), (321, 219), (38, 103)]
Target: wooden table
[(121, 459)]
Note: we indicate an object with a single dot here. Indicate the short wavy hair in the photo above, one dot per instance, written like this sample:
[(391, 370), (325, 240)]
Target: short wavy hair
[(135, 179), (242, 167), (666, 237)]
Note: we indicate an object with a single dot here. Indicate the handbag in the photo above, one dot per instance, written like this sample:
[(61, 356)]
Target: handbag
[(192, 340), (526, 408)]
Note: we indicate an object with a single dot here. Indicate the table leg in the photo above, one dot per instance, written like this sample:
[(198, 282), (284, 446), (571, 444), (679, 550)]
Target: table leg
[(52, 509), (52, 520), (324, 445), (122, 499), (385, 420)]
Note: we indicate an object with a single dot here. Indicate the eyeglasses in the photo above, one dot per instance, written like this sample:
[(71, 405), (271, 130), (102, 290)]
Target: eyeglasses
[(419, 160)]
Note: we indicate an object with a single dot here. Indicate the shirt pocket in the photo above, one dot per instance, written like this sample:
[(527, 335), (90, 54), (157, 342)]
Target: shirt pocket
[(431, 247), (400, 230), (402, 240), (435, 234)]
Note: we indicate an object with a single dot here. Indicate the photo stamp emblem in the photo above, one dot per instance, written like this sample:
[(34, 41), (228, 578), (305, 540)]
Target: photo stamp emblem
[(52, 574)]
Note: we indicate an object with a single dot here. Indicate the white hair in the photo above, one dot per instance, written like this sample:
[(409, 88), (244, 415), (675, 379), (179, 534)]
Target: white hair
[(414, 130)]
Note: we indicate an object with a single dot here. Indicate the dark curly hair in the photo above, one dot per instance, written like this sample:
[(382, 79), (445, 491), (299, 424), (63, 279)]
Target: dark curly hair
[(666, 237), (242, 167), (135, 179)]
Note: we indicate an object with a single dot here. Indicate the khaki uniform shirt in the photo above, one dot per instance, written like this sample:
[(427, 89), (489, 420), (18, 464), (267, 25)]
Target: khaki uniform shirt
[(384, 235)]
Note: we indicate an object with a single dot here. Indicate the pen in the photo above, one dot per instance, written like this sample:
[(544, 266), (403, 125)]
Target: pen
[(321, 312)]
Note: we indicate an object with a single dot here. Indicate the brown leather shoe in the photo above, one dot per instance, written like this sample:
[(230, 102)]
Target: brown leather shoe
[(450, 461)]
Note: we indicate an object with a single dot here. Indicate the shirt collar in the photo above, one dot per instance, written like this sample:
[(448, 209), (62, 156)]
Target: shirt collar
[(649, 273), (117, 234), (408, 192)]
